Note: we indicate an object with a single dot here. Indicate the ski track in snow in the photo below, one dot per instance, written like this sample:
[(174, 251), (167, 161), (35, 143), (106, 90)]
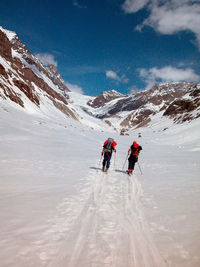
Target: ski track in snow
[(102, 226)]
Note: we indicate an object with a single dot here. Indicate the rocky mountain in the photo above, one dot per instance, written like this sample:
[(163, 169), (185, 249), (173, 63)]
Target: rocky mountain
[(178, 101), (23, 78), (26, 82), (104, 98)]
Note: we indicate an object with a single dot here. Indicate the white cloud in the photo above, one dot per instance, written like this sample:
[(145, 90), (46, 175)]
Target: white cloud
[(132, 6), (169, 17), (74, 88), (169, 20), (113, 75), (46, 59), (167, 74)]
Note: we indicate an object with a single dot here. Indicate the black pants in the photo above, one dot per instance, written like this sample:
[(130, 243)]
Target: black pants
[(106, 160), (131, 162)]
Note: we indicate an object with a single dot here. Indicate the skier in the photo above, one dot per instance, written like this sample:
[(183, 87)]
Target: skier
[(134, 151), (108, 148)]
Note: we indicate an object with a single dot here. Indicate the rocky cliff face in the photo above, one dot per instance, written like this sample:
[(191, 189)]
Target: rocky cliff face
[(23, 77)]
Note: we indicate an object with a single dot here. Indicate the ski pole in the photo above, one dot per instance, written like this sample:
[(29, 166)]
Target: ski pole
[(140, 168), (100, 159), (114, 160), (125, 162)]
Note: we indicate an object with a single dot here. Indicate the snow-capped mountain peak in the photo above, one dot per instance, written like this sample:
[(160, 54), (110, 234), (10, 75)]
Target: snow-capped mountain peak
[(26, 82), (10, 34)]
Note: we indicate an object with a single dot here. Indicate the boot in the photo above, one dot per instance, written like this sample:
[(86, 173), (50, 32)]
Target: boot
[(129, 171)]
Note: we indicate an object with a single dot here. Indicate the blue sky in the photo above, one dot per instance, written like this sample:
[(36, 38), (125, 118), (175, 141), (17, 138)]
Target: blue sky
[(100, 45)]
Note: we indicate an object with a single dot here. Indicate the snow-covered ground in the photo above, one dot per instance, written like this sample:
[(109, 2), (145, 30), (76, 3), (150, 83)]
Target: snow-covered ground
[(59, 209)]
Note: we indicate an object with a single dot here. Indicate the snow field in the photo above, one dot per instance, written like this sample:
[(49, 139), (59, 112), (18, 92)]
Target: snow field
[(104, 226), (59, 209)]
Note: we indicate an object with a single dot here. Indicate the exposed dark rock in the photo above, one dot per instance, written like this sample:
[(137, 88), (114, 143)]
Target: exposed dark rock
[(5, 47), (195, 93), (54, 75), (108, 122), (64, 109), (27, 90), (8, 92), (3, 72), (32, 77), (143, 123), (179, 107), (124, 132), (139, 120)]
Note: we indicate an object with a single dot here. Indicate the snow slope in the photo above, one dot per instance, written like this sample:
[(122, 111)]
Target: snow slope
[(59, 209)]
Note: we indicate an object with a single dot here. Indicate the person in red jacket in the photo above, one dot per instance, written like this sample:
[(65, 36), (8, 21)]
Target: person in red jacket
[(134, 151), (108, 148)]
